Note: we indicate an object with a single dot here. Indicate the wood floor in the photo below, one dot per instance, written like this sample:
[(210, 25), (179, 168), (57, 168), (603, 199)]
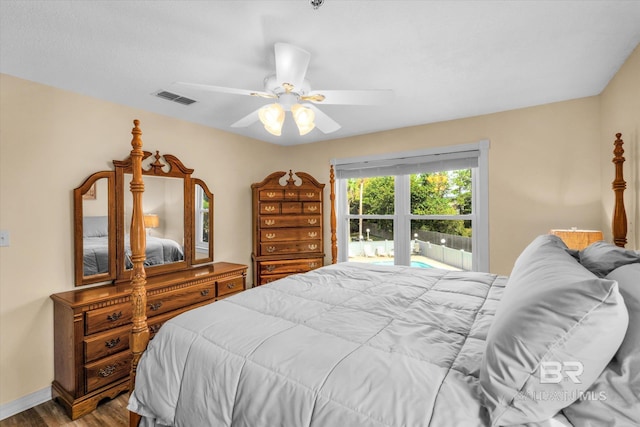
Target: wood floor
[(112, 413)]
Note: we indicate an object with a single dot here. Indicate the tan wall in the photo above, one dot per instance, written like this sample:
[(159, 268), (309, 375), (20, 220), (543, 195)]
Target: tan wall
[(51, 140), (544, 166), (620, 105)]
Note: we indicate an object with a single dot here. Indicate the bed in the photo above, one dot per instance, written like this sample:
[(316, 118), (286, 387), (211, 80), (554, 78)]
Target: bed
[(95, 245), (354, 344)]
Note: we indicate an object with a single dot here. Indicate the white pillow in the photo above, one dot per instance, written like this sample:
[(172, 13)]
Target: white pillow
[(614, 399), (555, 330)]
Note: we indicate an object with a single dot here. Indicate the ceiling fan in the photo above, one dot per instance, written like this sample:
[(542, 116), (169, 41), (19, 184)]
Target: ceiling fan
[(292, 92)]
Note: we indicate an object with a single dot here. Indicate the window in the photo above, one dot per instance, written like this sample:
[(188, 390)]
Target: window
[(426, 208)]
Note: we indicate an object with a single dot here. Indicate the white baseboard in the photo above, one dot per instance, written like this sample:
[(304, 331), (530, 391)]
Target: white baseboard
[(25, 402)]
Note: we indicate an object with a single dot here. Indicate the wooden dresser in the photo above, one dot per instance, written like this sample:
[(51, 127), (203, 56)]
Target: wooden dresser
[(287, 226), (92, 328)]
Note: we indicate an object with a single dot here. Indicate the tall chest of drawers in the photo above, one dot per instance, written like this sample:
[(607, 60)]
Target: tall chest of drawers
[(92, 360), (287, 226)]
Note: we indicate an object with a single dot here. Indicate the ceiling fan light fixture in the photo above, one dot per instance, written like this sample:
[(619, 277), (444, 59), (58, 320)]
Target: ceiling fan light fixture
[(272, 117), (304, 118)]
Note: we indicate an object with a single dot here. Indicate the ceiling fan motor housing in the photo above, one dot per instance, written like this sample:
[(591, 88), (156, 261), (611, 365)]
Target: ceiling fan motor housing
[(272, 85)]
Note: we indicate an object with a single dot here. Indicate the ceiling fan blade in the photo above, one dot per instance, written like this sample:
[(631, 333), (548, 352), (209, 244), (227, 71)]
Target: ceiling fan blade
[(324, 123), (247, 120), (231, 90), (350, 97), (291, 64)]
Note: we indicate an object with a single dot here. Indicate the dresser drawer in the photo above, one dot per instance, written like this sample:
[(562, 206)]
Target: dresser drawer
[(311, 207), (272, 278), (270, 208), (230, 286), (271, 195), (170, 301), (106, 343), (107, 318), (289, 221), (289, 266), (288, 234), (291, 208), (291, 195), (309, 195), (156, 322), (105, 371), (274, 248)]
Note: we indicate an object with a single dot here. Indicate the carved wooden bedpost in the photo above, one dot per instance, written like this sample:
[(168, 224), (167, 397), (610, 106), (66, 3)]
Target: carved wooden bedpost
[(619, 221), (139, 330), (334, 239)]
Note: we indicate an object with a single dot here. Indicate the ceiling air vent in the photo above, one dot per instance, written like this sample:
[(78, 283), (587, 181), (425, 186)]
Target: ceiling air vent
[(169, 96)]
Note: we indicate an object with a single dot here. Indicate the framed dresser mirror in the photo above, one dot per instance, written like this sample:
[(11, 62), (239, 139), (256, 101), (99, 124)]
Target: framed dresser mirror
[(95, 229), (178, 217)]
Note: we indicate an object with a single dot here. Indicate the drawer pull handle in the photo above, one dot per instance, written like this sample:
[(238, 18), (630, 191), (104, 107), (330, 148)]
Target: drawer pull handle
[(204, 292), (115, 316), (112, 343), (313, 247), (155, 328), (271, 249), (156, 306), (270, 268), (270, 235), (269, 221), (312, 221), (313, 264), (270, 208), (312, 208), (310, 195), (312, 233), (110, 369), (291, 194), (231, 285), (271, 194)]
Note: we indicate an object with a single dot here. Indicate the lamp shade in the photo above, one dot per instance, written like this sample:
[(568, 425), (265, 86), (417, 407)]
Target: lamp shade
[(578, 239), (272, 117), (304, 118), (151, 221)]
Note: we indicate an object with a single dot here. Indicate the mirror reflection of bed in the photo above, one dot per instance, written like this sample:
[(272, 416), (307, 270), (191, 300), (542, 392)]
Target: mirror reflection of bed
[(159, 250), (164, 220)]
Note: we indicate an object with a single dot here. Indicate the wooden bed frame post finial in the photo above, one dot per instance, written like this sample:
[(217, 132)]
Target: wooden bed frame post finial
[(139, 329), (619, 220)]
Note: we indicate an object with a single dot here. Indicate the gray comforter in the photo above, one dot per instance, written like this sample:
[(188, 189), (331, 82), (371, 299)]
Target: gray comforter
[(158, 251), (345, 345)]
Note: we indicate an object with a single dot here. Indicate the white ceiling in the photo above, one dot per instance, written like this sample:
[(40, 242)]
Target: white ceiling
[(443, 59)]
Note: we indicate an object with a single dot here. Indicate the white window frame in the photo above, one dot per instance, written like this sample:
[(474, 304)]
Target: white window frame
[(402, 217)]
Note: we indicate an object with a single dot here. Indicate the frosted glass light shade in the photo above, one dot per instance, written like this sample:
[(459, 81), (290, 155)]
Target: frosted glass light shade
[(304, 118), (272, 117)]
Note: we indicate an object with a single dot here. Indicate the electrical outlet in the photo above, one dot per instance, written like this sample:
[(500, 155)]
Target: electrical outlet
[(4, 238)]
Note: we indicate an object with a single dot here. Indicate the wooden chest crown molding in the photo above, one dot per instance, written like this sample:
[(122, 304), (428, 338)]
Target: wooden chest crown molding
[(92, 327), (288, 221)]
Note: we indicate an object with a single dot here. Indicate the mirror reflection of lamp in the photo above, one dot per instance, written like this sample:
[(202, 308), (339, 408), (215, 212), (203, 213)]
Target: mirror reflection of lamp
[(151, 221)]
